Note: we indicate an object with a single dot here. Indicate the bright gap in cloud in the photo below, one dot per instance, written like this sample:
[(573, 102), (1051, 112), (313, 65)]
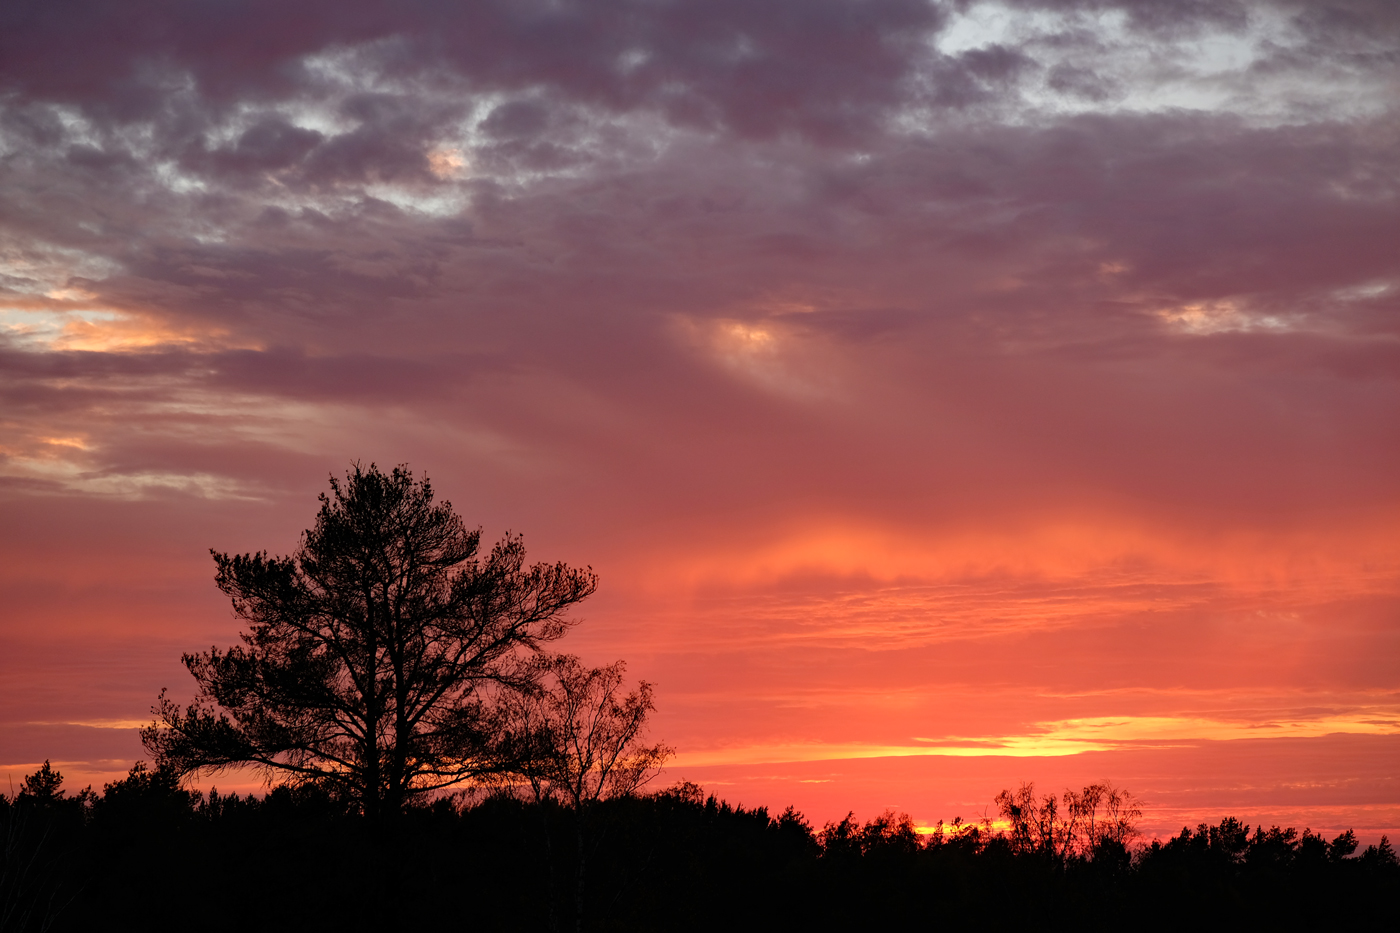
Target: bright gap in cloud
[(760, 354), (1108, 67), (1222, 316), (435, 204), (96, 723), (99, 330)]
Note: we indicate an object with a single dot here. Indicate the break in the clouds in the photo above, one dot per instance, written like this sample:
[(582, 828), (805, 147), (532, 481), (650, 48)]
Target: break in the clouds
[(1013, 377)]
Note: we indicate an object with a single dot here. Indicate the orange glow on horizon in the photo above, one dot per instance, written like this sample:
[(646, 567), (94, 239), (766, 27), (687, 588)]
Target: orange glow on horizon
[(1066, 737)]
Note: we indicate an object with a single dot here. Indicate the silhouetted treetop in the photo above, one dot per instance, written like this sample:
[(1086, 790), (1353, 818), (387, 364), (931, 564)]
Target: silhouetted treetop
[(373, 653), (44, 785), (1085, 823)]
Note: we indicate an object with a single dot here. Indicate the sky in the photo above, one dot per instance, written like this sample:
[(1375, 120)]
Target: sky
[(948, 394)]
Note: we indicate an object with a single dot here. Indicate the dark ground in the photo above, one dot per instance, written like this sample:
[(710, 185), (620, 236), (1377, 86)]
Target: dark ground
[(146, 855)]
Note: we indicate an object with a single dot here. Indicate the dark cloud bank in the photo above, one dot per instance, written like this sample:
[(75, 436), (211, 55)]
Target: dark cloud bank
[(437, 203)]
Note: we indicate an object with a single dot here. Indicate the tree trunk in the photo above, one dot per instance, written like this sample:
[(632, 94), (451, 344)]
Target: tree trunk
[(549, 862), (578, 875)]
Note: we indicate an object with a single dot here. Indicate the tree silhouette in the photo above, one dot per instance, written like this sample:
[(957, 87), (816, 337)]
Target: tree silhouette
[(1100, 819), (679, 860), (36, 830), (374, 653), (43, 786), (579, 741)]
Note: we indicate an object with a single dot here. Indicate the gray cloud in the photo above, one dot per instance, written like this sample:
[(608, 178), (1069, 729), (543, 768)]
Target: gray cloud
[(435, 208)]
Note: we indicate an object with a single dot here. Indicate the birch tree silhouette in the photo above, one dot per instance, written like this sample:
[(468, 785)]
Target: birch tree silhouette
[(579, 741)]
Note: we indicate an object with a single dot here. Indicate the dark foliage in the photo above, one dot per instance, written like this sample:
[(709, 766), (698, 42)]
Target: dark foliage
[(373, 654), (148, 854)]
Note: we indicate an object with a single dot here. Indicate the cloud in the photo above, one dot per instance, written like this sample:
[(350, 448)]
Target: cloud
[(1055, 739), (852, 341)]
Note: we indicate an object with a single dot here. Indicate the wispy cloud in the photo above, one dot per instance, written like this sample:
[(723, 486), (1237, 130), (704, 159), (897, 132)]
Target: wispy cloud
[(1064, 737)]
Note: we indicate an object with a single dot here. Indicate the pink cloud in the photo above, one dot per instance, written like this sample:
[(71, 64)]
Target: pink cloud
[(911, 374)]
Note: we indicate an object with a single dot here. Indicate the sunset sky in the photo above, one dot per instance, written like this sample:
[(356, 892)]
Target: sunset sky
[(948, 394)]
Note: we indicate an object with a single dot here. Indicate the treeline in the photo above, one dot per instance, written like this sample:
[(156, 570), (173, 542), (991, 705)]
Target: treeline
[(147, 853)]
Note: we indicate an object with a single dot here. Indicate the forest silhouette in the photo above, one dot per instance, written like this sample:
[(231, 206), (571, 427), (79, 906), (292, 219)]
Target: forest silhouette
[(146, 853), (432, 765)]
